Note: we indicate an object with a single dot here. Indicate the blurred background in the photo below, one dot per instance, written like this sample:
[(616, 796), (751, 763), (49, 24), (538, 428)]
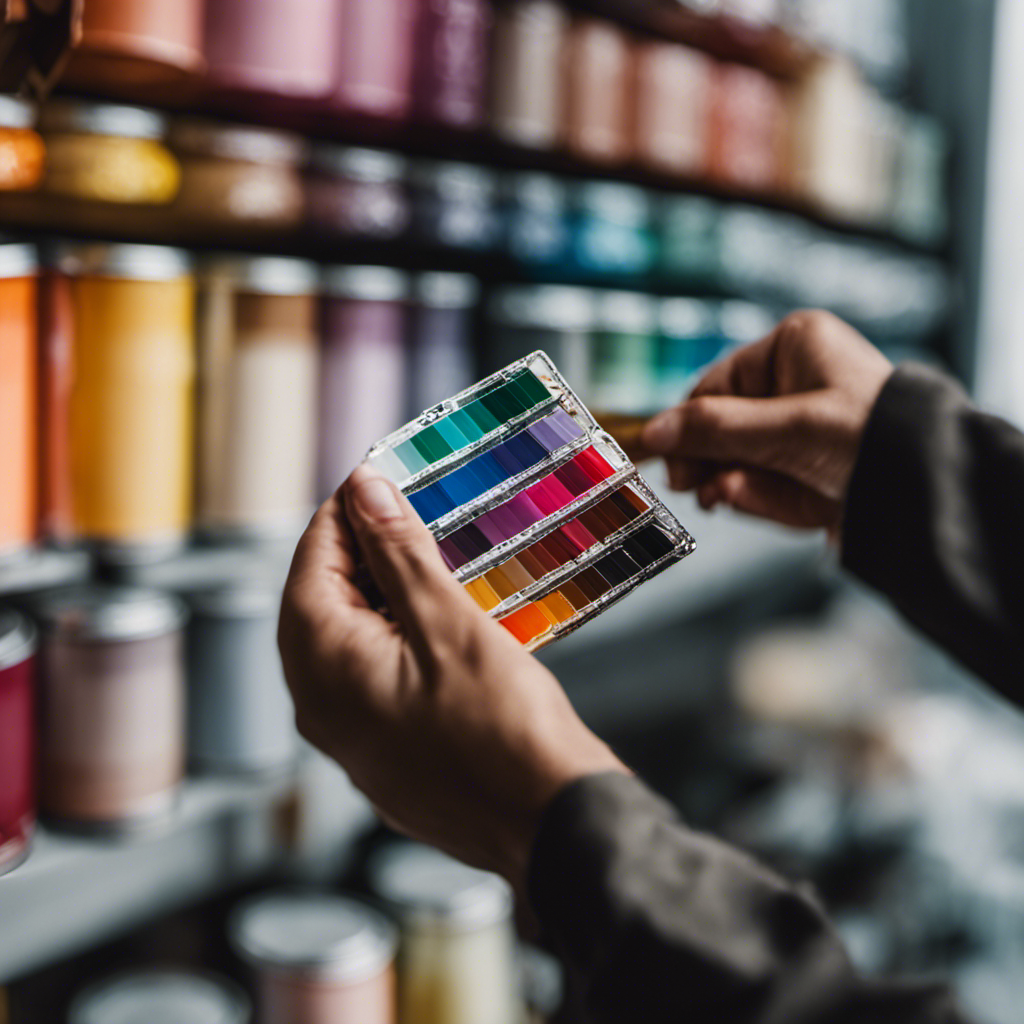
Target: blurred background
[(242, 240)]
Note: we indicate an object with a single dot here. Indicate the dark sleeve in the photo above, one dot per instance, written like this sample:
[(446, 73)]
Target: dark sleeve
[(935, 520), (667, 926)]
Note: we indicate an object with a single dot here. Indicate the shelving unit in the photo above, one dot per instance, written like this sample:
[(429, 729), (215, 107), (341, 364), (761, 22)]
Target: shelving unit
[(74, 892), (47, 567)]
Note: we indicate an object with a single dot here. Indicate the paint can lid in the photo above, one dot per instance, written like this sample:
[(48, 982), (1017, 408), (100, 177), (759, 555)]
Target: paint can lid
[(430, 890), (241, 600), (745, 322), (237, 142), (537, 192), (447, 291), (686, 318), (625, 205), (162, 997), (18, 259), (457, 181), (266, 275), (544, 308), (626, 313), (373, 166), (371, 284), (307, 931), (15, 113), (130, 262), (75, 116), (17, 638), (100, 612)]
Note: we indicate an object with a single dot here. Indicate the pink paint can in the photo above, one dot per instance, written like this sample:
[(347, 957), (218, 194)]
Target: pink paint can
[(272, 48), (373, 70), (318, 959)]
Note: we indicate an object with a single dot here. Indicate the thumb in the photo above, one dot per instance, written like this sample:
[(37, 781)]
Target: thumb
[(402, 556), (764, 433)]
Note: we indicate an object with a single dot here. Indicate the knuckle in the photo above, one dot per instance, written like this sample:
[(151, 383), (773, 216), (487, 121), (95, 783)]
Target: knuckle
[(805, 322), (700, 415)]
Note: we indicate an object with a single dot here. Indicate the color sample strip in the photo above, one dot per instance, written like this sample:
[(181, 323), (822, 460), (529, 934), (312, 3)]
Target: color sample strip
[(463, 427), (521, 452), (549, 495), (558, 548), (639, 552)]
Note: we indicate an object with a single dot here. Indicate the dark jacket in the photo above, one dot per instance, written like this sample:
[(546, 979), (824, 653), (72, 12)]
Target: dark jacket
[(666, 925)]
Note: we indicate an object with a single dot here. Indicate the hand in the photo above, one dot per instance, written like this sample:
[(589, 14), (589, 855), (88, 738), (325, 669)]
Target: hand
[(774, 429), (457, 735)]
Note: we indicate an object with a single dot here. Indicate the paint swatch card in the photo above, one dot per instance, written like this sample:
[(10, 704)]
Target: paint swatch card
[(537, 511)]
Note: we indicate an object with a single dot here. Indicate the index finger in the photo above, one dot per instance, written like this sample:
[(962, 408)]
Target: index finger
[(748, 372)]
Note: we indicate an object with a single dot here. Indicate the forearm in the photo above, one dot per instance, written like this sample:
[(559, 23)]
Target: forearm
[(934, 518), (667, 925)]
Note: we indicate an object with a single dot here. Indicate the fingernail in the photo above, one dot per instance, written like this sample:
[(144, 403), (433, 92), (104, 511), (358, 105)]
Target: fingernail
[(375, 497), (659, 434)]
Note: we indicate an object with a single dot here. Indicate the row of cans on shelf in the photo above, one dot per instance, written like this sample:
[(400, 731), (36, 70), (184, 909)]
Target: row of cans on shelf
[(543, 79), (147, 401), (109, 692), (426, 940)]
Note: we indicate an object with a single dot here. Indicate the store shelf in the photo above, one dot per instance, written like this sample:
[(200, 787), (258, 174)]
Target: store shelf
[(75, 892), (38, 212), (37, 570), (202, 566)]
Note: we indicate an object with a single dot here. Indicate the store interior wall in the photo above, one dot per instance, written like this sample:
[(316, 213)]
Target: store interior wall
[(1001, 323), (951, 56)]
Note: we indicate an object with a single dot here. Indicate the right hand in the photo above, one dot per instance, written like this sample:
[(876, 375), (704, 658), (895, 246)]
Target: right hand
[(774, 429)]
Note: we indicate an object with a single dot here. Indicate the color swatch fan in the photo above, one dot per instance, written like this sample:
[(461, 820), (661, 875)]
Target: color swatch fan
[(538, 512)]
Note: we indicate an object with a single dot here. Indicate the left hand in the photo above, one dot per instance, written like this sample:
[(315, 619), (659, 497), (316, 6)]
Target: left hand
[(456, 734)]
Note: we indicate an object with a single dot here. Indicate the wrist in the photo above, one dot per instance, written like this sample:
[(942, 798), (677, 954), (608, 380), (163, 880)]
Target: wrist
[(517, 851)]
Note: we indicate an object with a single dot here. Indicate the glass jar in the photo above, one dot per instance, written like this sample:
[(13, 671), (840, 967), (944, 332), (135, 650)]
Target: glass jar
[(22, 152), (526, 108), (625, 367), (552, 318), (451, 62), (373, 71), (237, 176), (272, 48), (441, 358), (129, 410), (456, 205), (112, 741), (457, 957), (107, 153), (157, 996), (612, 233), (537, 220), (17, 738), (318, 959), (673, 96), (357, 192), (257, 387), (363, 380), (19, 398), (748, 134), (240, 716), (136, 42), (599, 91)]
